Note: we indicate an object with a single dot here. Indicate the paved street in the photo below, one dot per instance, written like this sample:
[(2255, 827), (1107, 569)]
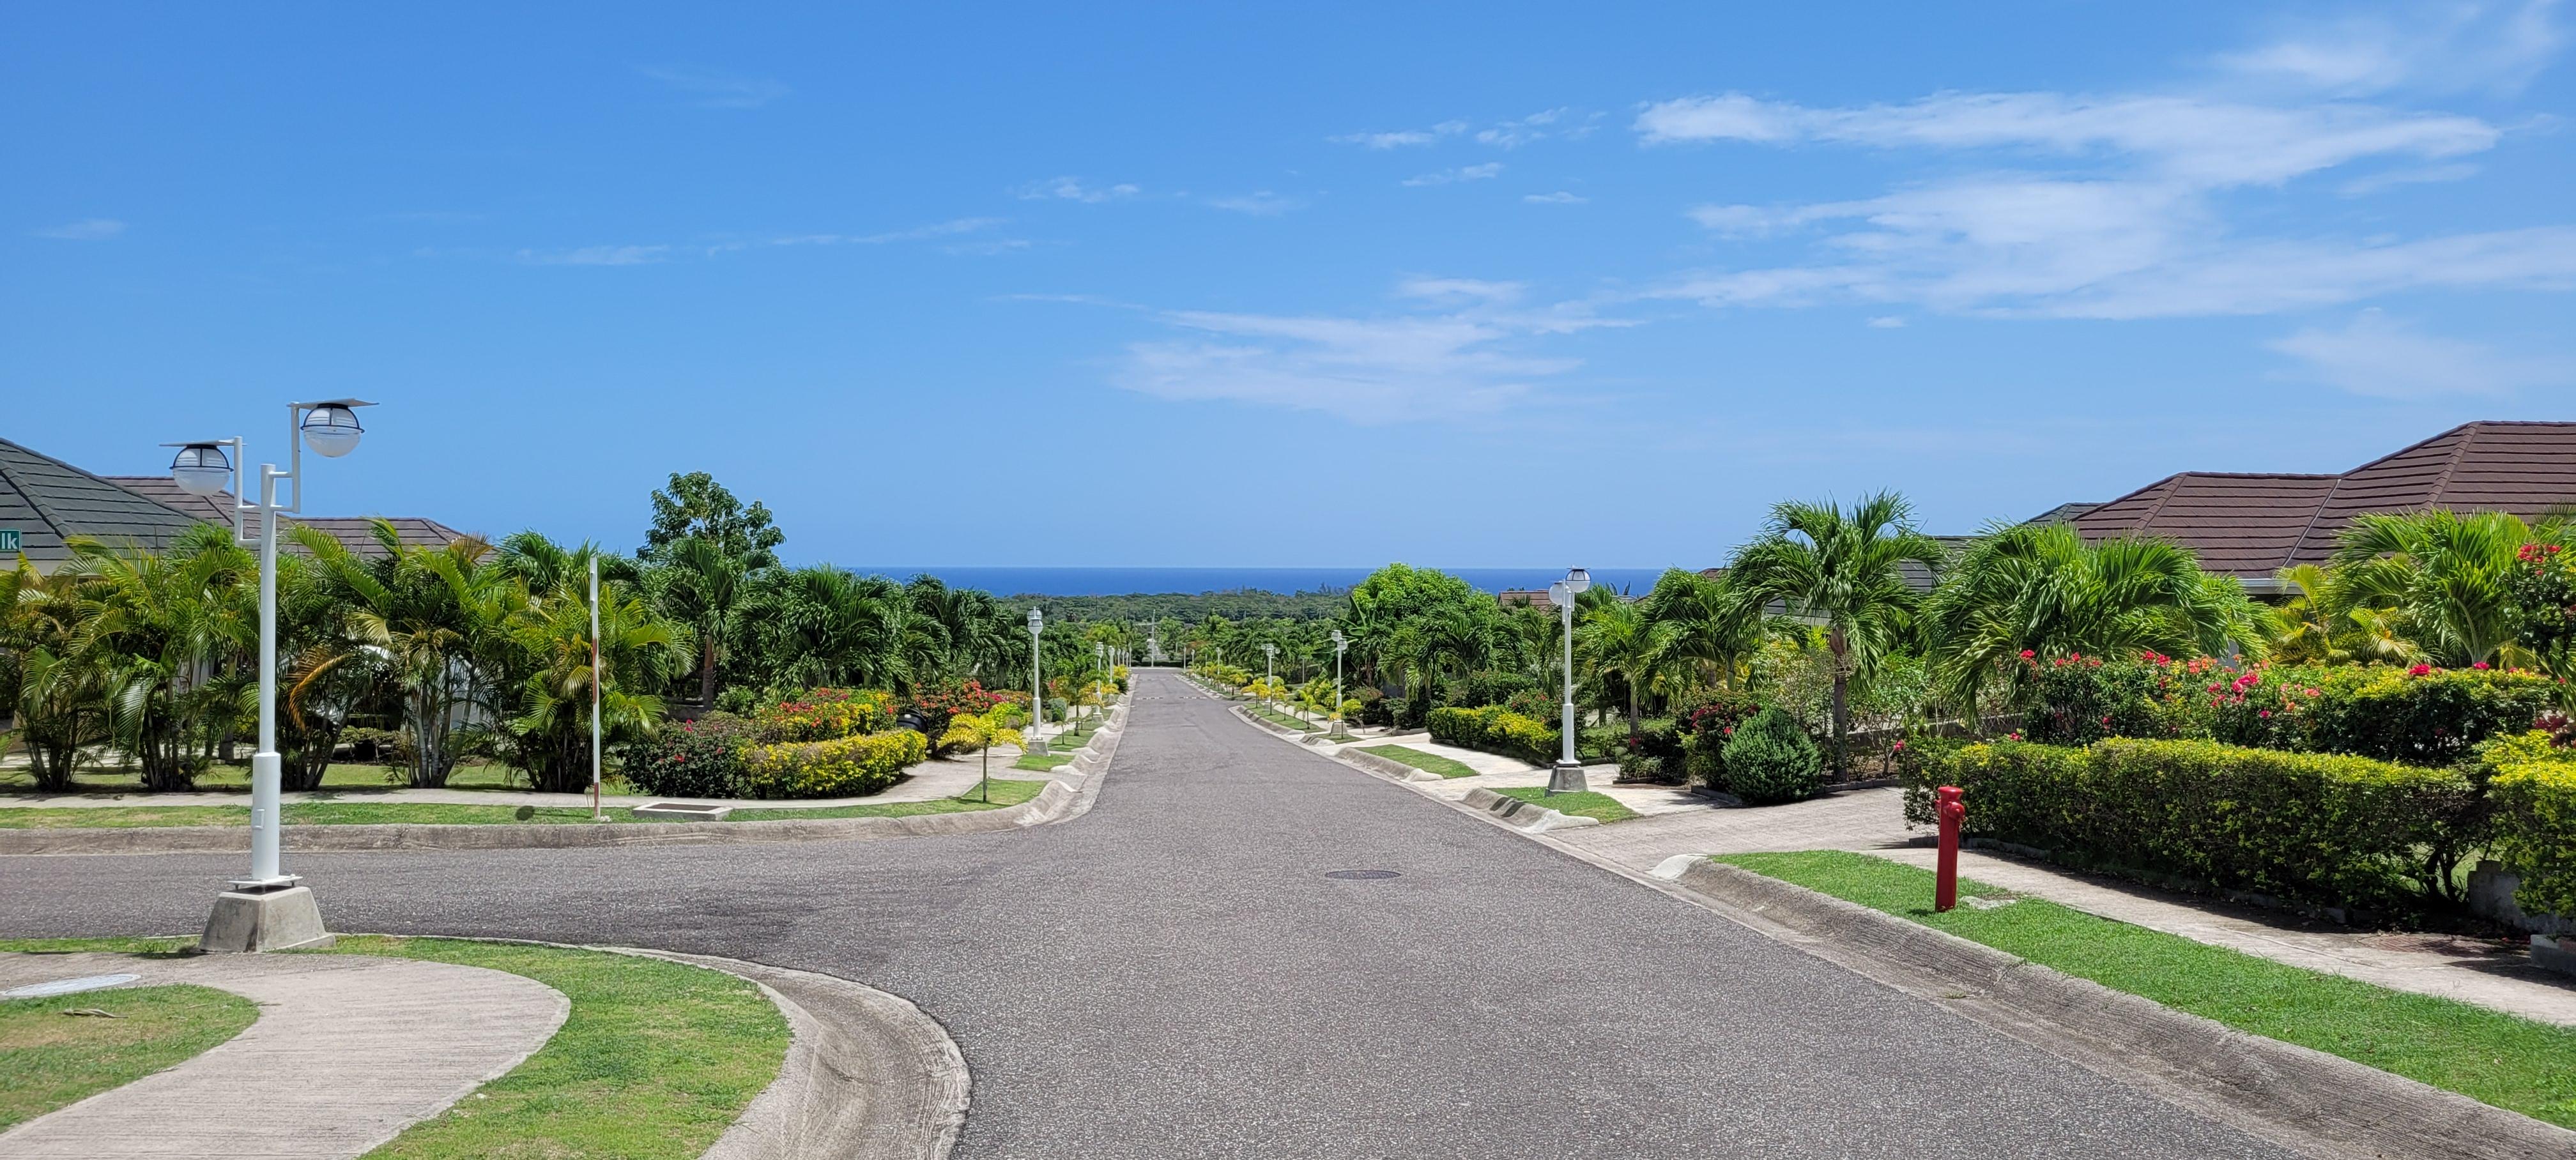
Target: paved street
[(1173, 975)]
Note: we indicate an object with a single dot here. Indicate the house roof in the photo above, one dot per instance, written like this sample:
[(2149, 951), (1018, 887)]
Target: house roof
[(2254, 525), (2064, 513), (354, 533), (47, 502)]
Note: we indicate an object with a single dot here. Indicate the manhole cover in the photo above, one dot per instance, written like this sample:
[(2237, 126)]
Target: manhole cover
[(1351, 874), (68, 986)]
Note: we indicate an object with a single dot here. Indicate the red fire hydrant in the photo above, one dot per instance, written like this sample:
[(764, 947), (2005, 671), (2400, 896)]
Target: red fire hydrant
[(1951, 811)]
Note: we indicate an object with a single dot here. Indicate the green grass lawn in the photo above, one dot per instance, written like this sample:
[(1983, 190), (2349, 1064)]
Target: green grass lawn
[(53, 1060), (1427, 762), (236, 778), (1042, 762), (656, 1060), (1586, 804), (2512, 1063), (1004, 792), (1276, 717)]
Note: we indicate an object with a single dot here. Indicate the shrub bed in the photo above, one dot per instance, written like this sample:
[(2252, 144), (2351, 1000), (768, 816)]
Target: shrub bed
[(2319, 828), (701, 758), (2420, 715), (844, 767), (1770, 760), (1497, 729), (1703, 728), (826, 714), (2534, 794)]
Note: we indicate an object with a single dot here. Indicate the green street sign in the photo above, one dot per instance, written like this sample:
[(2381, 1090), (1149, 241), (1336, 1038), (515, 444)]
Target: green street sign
[(8, 539)]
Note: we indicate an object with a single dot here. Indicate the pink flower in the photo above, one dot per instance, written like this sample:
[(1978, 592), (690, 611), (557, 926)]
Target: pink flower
[(2480, 666), (2419, 670), (2312, 692), (1900, 745), (2026, 654), (2264, 713)]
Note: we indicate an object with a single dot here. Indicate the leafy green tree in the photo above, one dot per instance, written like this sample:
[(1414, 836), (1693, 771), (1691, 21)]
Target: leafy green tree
[(152, 626), (705, 588), (1625, 648), (982, 732), (1840, 568), (1705, 629), (2446, 576), (638, 650), (695, 506), (440, 620), (58, 702), (2042, 589)]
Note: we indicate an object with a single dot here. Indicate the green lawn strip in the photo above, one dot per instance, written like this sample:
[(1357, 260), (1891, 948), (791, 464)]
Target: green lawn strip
[(1042, 762), (1276, 717), (236, 778), (1427, 762), (53, 1060), (1005, 793), (656, 1060), (2513, 1063), (1585, 804), (157, 948)]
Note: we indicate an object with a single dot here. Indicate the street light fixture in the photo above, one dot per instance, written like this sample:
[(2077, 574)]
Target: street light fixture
[(1341, 721), (1269, 667), (1567, 776), (270, 909), (1037, 690)]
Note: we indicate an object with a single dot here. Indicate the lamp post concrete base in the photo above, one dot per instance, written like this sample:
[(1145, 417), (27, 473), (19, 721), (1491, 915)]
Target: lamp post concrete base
[(251, 920), (1566, 777)]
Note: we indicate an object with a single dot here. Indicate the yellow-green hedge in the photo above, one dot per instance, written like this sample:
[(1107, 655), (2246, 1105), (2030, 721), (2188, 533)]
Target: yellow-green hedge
[(846, 767), (2535, 833)]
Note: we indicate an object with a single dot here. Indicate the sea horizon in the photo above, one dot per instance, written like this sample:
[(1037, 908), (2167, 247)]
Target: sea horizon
[(1115, 580)]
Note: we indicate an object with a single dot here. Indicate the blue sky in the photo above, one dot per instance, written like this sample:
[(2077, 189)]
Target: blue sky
[(1468, 285)]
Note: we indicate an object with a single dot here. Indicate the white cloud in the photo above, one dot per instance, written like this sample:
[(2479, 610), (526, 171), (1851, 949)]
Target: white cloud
[(1514, 134), (1366, 370), (2387, 358), (84, 230), (1482, 172), (1401, 138), (597, 256), (949, 228), (1456, 288), (1887, 322), (718, 91), (1261, 203), (1072, 189), (2435, 47), (2423, 175), (1560, 197)]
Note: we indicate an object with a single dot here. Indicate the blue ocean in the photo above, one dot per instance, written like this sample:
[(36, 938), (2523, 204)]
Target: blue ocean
[(1022, 581)]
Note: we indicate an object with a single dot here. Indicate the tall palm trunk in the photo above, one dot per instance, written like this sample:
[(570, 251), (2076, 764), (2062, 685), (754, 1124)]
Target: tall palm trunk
[(707, 673), (1842, 702)]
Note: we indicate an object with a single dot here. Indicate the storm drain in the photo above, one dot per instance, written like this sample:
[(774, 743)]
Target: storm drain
[(1347, 875)]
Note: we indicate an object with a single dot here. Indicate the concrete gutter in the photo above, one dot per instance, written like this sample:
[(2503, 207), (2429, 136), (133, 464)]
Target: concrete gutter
[(2307, 1100), (1063, 798), (1530, 817)]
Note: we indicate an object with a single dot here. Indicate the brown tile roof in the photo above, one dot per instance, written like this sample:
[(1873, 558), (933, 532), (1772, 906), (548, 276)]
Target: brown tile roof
[(2255, 525), (47, 501), (354, 532)]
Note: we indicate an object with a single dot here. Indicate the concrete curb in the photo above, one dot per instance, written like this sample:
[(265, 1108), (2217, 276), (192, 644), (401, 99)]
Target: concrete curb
[(1386, 765), (867, 1076), (1520, 815), (1057, 802), (2304, 1099), (1297, 735)]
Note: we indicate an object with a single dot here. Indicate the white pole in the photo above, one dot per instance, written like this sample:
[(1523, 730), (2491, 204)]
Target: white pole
[(264, 805), (1567, 613), (594, 688)]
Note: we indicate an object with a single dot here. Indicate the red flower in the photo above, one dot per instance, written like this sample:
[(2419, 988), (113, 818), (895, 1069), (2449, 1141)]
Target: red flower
[(2419, 670), (2026, 654), (2481, 666)]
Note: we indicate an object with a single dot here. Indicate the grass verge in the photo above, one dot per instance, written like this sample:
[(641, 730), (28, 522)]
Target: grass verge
[(1005, 793), (1284, 720), (442, 813), (656, 1060), (2510, 1062), (1426, 762), (54, 1060), (1585, 804), (1042, 762)]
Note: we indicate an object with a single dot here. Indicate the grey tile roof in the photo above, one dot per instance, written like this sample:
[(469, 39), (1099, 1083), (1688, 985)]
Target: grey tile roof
[(355, 533), (48, 501)]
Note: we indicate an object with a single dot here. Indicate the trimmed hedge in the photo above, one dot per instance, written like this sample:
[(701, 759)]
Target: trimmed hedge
[(701, 758), (846, 767), (2535, 827), (1770, 759), (1497, 729), (2317, 828), (2420, 715)]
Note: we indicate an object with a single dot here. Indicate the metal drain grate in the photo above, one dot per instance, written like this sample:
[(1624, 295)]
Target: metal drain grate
[(1347, 875)]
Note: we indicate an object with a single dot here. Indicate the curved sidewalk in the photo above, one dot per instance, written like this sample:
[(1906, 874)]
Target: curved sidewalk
[(347, 1052)]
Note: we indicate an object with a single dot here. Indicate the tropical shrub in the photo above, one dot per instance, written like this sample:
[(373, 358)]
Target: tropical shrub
[(2534, 794), (937, 704), (2543, 593), (1370, 707), (843, 767), (2420, 715), (826, 714), (1702, 726), (1635, 766), (2321, 828), (1497, 729), (1488, 687), (1770, 759), (701, 758)]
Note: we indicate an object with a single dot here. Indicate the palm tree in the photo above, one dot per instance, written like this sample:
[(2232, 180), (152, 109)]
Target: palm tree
[(2042, 589), (982, 731), (439, 619), (1838, 567), (59, 703), (1706, 628), (828, 627), (1622, 644), (2444, 574), (153, 627), (706, 589), (2312, 624), (638, 651)]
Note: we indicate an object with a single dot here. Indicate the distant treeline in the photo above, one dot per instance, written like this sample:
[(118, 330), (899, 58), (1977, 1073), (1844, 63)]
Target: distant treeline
[(1239, 604)]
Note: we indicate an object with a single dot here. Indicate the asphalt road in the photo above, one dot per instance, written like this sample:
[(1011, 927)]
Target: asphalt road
[(1172, 975)]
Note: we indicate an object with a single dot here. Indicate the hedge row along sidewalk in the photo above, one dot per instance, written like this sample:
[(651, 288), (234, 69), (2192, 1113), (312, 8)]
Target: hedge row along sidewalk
[(2511, 1063), (1004, 793)]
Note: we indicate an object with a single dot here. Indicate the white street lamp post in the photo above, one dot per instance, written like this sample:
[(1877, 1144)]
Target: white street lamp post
[(269, 910), (1341, 722), (1037, 690), (1269, 670), (1567, 776)]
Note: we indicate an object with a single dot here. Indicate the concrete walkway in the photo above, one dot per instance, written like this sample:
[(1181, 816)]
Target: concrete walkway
[(2485, 972), (1495, 771), (347, 1051)]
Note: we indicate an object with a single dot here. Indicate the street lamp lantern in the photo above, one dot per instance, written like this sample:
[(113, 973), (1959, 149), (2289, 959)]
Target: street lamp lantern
[(1341, 722), (331, 427), (200, 468), (1567, 775)]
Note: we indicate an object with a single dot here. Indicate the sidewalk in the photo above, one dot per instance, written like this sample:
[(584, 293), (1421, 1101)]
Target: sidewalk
[(1495, 771), (347, 1051), (1872, 821)]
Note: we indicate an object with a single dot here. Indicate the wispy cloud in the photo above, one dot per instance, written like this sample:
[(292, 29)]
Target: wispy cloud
[(1560, 197), (1536, 127), (1262, 203), (597, 256), (717, 90), (1476, 289), (1073, 189), (949, 228), (1887, 322), (2388, 179), (84, 230), (1482, 172), (2388, 358), (1401, 138), (2446, 47)]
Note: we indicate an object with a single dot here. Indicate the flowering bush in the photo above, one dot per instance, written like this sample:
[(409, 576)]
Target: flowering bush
[(826, 714), (701, 758), (2420, 715), (1705, 725), (843, 767), (2544, 606), (939, 704)]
